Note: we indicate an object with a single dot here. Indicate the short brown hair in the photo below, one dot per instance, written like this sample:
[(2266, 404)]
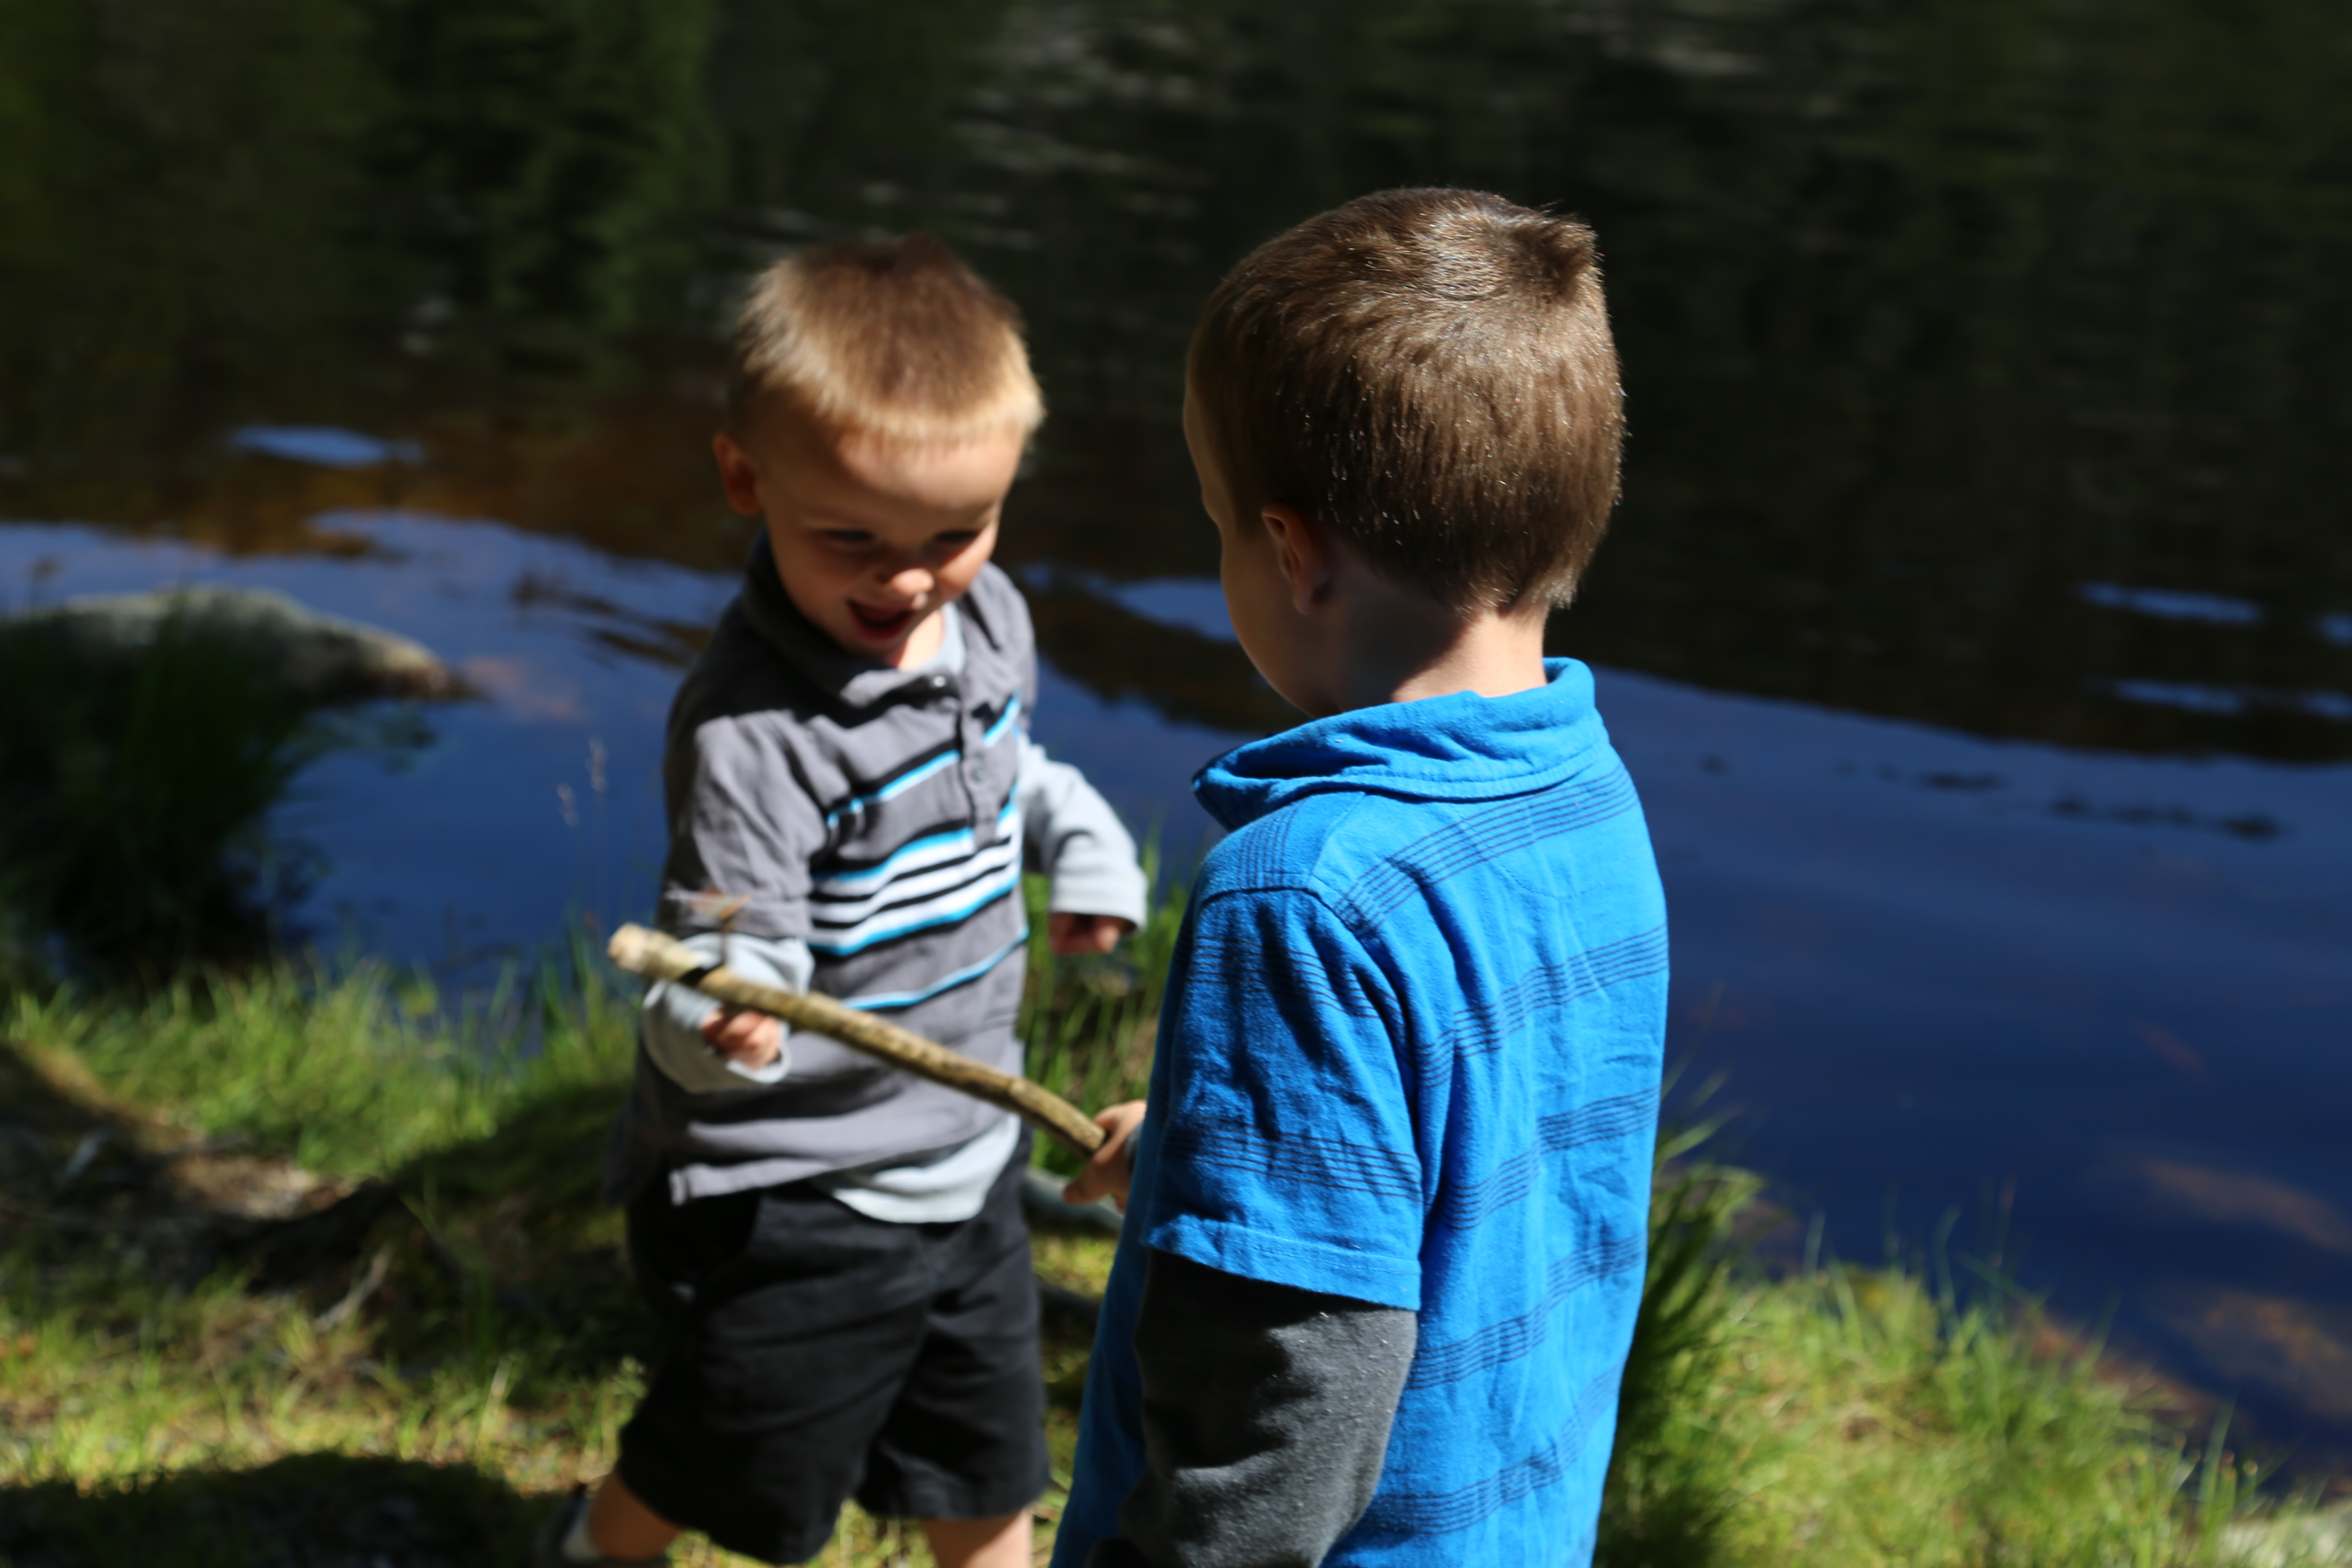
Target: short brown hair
[(890, 337), (1430, 375)]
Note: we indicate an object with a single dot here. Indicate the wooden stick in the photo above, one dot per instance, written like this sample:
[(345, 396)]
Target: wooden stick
[(659, 957)]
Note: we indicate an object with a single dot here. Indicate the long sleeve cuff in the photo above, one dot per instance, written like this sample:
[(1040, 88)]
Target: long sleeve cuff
[(1079, 841), (671, 1024)]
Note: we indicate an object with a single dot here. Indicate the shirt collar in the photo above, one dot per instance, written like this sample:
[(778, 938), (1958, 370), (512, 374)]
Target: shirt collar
[(857, 680), (1460, 747)]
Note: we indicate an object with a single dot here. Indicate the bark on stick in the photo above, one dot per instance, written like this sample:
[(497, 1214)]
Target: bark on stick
[(658, 957)]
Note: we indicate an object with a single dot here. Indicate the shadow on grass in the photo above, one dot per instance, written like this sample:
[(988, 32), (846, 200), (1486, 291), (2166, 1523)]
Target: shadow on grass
[(548, 1154), (471, 1308), (499, 1241), (311, 1510), (518, 1226), (502, 1243)]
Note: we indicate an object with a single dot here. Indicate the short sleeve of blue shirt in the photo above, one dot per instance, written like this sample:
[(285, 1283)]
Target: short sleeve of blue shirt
[(1288, 1153)]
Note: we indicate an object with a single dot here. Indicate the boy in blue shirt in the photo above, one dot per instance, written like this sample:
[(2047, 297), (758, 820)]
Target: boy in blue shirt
[(1387, 1210)]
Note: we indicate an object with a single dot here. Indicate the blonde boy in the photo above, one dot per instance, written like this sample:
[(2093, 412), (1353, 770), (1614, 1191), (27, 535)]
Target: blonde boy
[(836, 1248), (1388, 1198)]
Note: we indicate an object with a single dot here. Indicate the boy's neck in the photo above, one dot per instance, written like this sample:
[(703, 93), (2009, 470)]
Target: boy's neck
[(922, 644), (1394, 644), (1490, 654)]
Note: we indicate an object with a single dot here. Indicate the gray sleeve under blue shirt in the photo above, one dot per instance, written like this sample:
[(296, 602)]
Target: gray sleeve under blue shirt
[(1266, 1419)]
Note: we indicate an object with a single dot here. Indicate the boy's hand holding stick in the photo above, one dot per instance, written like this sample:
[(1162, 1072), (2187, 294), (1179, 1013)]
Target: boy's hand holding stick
[(1112, 1166), (648, 953)]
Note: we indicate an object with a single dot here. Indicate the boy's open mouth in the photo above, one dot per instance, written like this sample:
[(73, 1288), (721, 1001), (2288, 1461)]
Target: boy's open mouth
[(880, 625)]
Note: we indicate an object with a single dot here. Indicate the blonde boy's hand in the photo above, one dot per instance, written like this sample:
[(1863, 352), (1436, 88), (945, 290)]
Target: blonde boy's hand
[(1113, 1165), (754, 1039), (1071, 934)]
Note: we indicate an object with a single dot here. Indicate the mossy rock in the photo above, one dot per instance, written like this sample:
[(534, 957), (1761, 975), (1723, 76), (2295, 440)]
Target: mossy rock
[(312, 659)]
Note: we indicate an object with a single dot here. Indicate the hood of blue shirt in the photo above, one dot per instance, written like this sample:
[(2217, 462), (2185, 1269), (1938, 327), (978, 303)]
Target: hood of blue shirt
[(1461, 747)]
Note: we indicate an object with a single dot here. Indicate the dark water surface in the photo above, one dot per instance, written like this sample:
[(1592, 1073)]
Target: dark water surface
[(1978, 622)]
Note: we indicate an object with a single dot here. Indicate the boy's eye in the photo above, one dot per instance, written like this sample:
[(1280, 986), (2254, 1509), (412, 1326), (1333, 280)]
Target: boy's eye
[(955, 539), (848, 538)]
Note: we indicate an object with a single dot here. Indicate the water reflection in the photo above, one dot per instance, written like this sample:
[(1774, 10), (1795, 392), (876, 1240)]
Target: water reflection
[(465, 856), (1932, 314), (2106, 988)]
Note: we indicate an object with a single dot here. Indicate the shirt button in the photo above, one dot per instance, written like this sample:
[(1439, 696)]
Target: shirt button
[(976, 772), (939, 683)]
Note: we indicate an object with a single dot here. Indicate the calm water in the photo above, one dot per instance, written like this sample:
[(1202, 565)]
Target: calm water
[(1978, 622)]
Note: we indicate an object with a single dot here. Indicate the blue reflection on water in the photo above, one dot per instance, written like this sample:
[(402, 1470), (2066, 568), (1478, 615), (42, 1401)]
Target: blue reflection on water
[(2195, 698), (2198, 697), (324, 444), (2173, 605), (1193, 603)]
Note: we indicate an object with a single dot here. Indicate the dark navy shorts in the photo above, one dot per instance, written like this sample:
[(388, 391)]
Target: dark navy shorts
[(816, 1356)]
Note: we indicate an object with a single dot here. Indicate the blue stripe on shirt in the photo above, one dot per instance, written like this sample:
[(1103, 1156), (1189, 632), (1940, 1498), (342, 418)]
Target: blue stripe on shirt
[(898, 785), (995, 732), (882, 1000), (996, 885), (882, 871)]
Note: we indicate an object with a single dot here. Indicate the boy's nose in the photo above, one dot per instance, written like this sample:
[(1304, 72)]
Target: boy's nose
[(909, 582)]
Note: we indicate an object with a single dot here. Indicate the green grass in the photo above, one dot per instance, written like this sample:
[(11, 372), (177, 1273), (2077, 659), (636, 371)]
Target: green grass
[(482, 1367), (1090, 1022), (348, 1074), (134, 791), (477, 1350), (1866, 1417)]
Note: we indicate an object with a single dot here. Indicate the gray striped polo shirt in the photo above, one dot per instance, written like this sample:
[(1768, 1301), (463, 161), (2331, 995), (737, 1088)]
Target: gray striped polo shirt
[(878, 820)]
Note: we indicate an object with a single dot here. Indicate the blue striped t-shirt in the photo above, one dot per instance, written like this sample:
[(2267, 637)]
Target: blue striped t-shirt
[(1410, 1056)]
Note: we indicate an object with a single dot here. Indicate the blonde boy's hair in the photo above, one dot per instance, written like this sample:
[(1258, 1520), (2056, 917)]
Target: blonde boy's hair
[(1430, 373), (894, 338)]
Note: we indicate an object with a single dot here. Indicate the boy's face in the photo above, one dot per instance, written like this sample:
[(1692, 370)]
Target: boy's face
[(1259, 594), (872, 539)]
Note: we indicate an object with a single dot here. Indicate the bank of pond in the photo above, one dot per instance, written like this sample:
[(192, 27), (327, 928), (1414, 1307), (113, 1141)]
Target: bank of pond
[(310, 1261)]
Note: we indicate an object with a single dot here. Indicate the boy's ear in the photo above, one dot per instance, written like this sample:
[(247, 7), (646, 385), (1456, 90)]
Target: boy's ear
[(1301, 550), (736, 473)]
